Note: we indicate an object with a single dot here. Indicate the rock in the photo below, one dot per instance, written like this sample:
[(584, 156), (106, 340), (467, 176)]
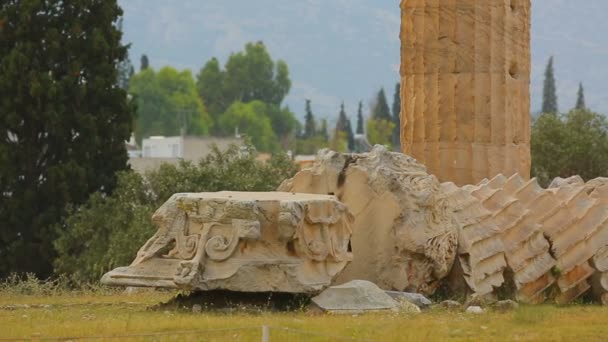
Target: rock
[(474, 310), (247, 242), (407, 307), (414, 298), (505, 305), (197, 308), (404, 234), (450, 305), (354, 296)]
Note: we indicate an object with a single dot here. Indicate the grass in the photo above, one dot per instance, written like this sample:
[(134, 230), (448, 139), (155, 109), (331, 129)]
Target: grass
[(103, 313)]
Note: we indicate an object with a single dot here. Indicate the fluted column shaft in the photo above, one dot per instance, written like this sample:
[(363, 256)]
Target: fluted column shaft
[(465, 87)]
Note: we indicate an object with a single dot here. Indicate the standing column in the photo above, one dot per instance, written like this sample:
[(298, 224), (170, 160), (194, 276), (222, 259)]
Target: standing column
[(465, 75)]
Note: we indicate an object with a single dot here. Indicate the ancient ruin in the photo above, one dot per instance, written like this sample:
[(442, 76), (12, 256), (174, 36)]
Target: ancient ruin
[(465, 76), (238, 241), (404, 236), (412, 233)]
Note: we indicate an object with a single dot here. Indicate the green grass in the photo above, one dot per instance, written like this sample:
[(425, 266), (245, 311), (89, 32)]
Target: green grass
[(112, 313)]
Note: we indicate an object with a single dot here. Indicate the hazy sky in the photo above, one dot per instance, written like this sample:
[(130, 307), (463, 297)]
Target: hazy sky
[(345, 50)]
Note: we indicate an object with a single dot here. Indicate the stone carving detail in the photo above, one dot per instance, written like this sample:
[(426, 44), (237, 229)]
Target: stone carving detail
[(412, 233), (404, 236), (243, 242), (465, 87)]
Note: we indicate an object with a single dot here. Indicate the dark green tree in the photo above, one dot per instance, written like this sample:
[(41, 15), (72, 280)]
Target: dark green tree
[(209, 84), (64, 119), (342, 123), (549, 90), (350, 136), (575, 144), (580, 97), (396, 116), (360, 122), (144, 63), (380, 111), (247, 76), (125, 67), (167, 102), (310, 126)]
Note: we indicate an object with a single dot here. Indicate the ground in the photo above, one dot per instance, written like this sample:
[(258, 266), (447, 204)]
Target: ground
[(120, 316)]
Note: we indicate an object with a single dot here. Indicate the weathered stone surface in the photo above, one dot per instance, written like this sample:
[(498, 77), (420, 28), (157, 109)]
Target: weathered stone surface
[(474, 310), (404, 234), (465, 79), (407, 307), (356, 295), (414, 298), (250, 242)]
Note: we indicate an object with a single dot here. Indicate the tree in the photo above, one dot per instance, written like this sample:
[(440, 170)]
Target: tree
[(396, 116), (125, 67), (107, 231), (576, 144), (251, 119), (380, 131), (350, 136), (380, 110), (284, 124), (144, 63), (167, 102), (310, 126), (323, 132), (64, 119), (360, 119), (247, 76), (580, 97), (549, 90)]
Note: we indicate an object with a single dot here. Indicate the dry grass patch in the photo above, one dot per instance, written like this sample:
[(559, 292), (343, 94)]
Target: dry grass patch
[(110, 313)]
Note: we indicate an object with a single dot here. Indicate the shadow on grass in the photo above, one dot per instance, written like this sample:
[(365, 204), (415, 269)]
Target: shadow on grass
[(229, 301)]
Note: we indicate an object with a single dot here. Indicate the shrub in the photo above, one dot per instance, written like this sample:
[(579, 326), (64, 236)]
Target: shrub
[(108, 230)]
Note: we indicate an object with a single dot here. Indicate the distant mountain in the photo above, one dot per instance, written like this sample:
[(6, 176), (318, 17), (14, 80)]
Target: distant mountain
[(347, 49)]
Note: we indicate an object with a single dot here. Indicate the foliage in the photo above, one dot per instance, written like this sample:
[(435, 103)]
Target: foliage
[(144, 63), (252, 120), (166, 102), (343, 132), (580, 97), (380, 131), (125, 68), (576, 144), (549, 91), (339, 142), (360, 119), (64, 119), (396, 118), (310, 125), (380, 110), (247, 76), (310, 145), (108, 230)]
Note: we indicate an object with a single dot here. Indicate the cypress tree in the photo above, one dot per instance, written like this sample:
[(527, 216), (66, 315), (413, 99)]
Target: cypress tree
[(580, 98), (350, 136), (310, 127), (549, 91), (144, 63), (64, 119), (396, 118), (341, 124), (360, 119), (381, 110)]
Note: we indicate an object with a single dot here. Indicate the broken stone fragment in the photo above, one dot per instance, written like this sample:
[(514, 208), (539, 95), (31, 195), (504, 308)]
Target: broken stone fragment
[(404, 233), (354, 296), (243, 241), (414, 298)]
